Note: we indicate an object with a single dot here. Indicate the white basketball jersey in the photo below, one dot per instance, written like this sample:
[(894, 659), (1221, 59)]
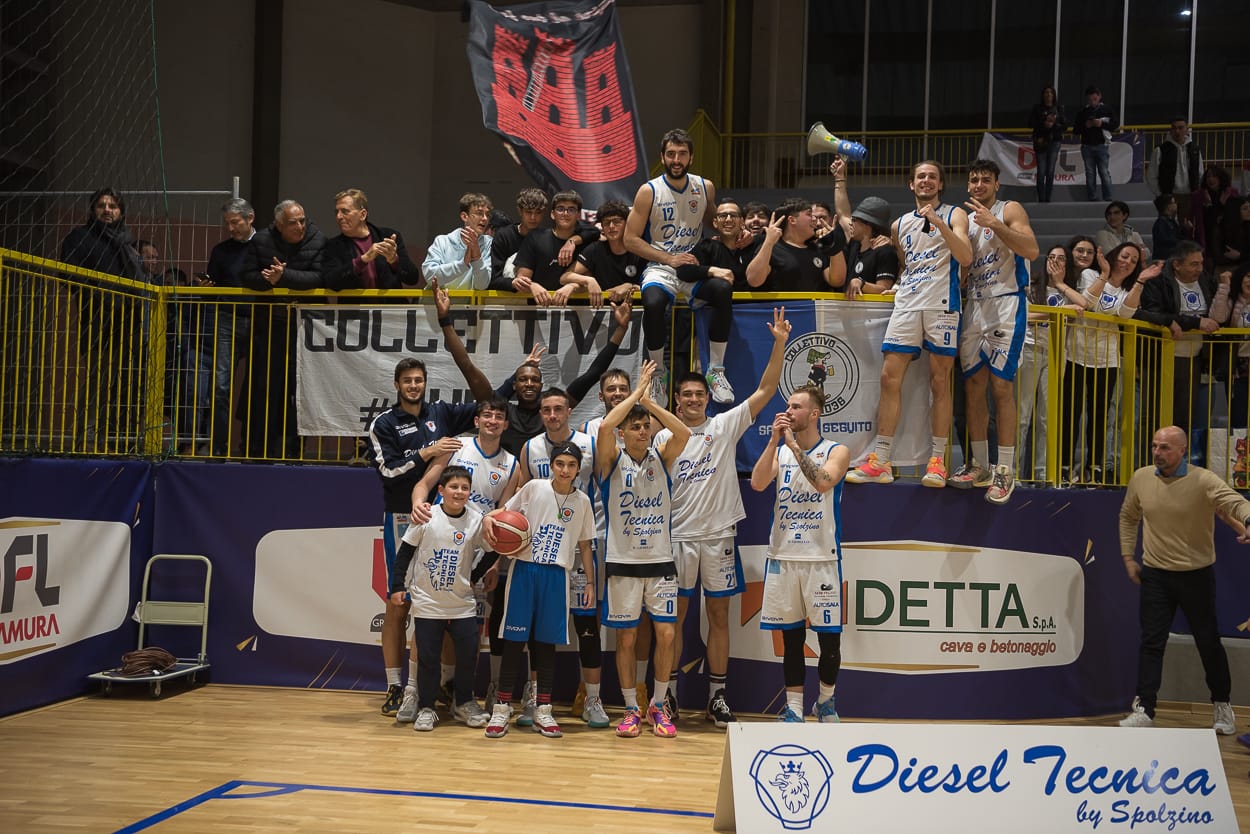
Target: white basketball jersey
[(995, 269), (537, 456), (706, 496), (676, 221), (557, 523), (438, 578), (930, 276), (806, 523), (490, 472), (637, 500)]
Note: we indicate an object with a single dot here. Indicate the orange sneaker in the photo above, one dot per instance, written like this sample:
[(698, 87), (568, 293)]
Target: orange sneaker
[(871, 471), (935, 474)]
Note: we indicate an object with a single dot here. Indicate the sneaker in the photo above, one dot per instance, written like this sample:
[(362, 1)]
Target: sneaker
[(718, 711), (659, 387), (497, 727), (789, 716), (446, 695), (631, 725), (529, 702), (545, 722), (579, 700), (472, 714), (394, 697), (970, 475), (492, 689), (670, 705), (825, 712), (427, 719), (408, 708), (718, 384), (935, 473), (593, 713), (872, 471), (1137, 717), (1004, 484), (1225, 722), (661, 724)]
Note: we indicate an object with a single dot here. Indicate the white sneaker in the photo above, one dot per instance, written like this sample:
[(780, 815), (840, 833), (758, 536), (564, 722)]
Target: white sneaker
[(408, 707), (472, 714), (498, 725), (529, 702), (427, 719), (545, 722), (718, 385), (593, 713), (1137, 717), (1225, 722)]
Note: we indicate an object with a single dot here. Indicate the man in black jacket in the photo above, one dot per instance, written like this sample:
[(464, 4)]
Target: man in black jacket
[(365, 256), (1094, 124), (287, 255)]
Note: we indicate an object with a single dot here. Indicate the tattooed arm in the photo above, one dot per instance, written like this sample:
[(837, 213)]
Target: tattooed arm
[(822, 477)]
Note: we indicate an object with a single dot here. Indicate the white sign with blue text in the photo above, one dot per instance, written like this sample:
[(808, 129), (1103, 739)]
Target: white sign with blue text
[(963, 779)]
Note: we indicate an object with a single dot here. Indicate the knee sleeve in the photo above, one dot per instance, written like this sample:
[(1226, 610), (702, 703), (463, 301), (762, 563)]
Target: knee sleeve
[(589, 644), (655, 303), (793, 663), (830, 657)]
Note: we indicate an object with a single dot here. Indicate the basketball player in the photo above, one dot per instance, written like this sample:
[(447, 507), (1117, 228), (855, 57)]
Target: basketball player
[(707, 506), (635, 484), (664, 226), (536, 609), (803, 574), (994, 325), (933, 245)]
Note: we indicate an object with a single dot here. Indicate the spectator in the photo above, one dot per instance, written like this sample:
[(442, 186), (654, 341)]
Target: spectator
[(788, 261), (1209, 204), (538, 264), (1239, 406), (1167, 231), (286, 255), (103, 243), (1117, 231), (606, 264), (1093, 354), (460, 259), (1234, 242), (364, 256), (1048, 126), (725, 254), (150, 257), (756, 216), (871, 260), (531, 207), (232, 321), (1176, 165), (188, 374), (1094, 124)]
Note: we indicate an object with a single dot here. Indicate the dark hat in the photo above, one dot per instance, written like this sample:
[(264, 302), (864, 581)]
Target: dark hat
[(874, 211), (571, 449)]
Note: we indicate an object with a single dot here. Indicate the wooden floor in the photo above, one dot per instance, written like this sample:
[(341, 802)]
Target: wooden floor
[(243, 759)]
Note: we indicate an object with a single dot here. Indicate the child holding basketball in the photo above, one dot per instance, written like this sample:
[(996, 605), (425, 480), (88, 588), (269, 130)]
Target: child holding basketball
[(440, 553), (562, 525)]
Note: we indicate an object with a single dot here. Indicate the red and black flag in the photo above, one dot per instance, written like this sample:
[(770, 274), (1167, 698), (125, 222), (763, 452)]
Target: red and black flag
[(554, 83)]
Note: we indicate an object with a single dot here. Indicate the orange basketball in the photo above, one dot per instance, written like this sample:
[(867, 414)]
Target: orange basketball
[(512, 532)]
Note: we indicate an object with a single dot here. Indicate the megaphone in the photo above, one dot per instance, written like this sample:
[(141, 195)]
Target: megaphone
[(820, 141)]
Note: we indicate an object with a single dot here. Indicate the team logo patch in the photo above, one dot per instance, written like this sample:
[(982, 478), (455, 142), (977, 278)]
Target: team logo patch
[(818, 262), (566, 514), (859, 267), (495, 478), (458, 537), (429, 424), (826, 362), (987, 233), (631, 271), (707, 440), (1191, 299), (694, 205), (792, 784), (650, 473)]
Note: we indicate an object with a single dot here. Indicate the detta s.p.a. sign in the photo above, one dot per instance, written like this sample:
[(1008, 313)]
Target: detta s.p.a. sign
[(964, 779)]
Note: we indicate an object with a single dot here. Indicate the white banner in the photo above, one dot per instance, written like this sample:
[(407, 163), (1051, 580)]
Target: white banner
[(964, 779), (1017, 160), (922, 608), (61, 581), (345, 364)]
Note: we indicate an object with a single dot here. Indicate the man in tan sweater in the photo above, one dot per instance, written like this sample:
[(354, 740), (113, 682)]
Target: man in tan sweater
[(1177, 504)]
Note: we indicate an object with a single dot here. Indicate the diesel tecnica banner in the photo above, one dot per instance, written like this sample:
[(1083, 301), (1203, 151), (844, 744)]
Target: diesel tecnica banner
[(554, 84), (345, 365)]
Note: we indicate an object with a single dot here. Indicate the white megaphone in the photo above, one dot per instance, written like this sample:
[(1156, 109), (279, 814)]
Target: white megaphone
[(820, 141)]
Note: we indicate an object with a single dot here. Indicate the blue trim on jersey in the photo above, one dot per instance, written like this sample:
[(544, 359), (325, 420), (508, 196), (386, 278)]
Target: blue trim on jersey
[(1022, 273), (894, 347), (932, 348), (674, 188), (739, 580), (953, 299), (837, 518), (783, 626), (654, 282), (646, 230), (604, 614), (1012, 366)]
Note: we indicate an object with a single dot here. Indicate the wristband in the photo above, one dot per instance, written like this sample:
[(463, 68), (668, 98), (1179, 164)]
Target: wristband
[(445, 321)]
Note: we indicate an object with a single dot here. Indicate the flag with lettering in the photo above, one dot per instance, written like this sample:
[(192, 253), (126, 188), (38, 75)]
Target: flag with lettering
[(554, 84)]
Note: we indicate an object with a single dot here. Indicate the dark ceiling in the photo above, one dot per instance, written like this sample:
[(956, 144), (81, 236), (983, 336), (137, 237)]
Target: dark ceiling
[(456, 5)]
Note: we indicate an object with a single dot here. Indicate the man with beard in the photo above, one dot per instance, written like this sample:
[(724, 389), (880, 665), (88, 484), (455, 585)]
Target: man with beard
[(933, 244), (108, 323), (287, 255), (460, 259), (364, 256), (664, 226)]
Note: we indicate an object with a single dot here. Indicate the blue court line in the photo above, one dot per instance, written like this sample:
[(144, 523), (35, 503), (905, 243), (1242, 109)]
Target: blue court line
[(223, 792)]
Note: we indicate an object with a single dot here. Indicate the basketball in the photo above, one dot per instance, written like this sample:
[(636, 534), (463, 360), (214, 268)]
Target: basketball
[(512, 532)]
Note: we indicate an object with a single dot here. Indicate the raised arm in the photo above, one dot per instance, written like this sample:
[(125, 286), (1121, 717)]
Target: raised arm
[(621, 314), (780, 328), (1013, 230), (478, 384), (605, 443), (679, 431), (760, 267)]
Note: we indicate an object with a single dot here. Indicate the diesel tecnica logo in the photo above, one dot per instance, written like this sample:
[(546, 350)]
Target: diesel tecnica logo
[(61, 581), (826, 362)]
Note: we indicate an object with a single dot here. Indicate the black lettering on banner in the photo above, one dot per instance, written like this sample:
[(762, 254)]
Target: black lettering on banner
[(312, 344)]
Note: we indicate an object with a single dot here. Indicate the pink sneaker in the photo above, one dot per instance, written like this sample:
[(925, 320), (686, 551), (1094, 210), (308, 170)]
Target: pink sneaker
[(660, 723), (631, 725), (935, 473), (872, 471)]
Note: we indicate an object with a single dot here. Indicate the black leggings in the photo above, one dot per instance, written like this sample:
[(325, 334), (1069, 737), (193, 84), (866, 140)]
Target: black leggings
[(717, 294), (795, 665), (543, 656), (1087, 391)]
